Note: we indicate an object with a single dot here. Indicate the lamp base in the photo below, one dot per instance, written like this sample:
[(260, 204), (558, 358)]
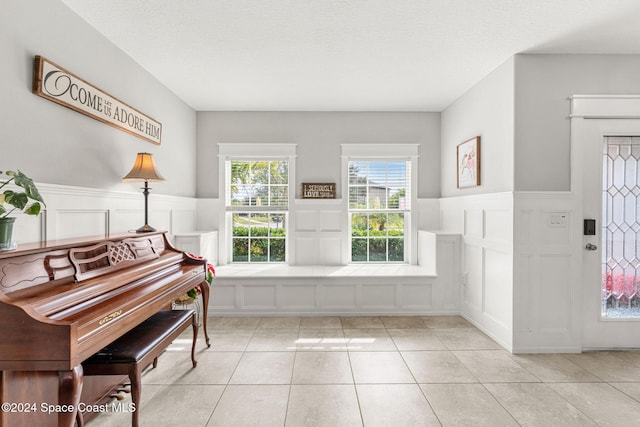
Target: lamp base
[(145, 229)]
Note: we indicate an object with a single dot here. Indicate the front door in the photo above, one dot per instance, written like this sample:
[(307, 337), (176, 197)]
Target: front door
[(606, 177)]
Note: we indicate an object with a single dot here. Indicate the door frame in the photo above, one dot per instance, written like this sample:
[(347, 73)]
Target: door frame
[(597, 116)]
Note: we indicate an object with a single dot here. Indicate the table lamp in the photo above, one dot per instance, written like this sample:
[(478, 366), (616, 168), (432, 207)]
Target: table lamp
[(144, 169)]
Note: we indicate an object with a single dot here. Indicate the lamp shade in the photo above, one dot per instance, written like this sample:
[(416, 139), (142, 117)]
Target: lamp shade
[(144, 169)]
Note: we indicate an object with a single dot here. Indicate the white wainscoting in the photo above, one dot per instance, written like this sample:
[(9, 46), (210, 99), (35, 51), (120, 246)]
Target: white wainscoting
[(319, 280), (513, 274), (486, 224), (77, 211), (343, 289), (319, 229), (547, 302)]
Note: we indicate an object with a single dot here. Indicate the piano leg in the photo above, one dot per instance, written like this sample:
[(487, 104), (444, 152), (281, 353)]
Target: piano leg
[(205, 288), (194, 324), (69, 390)]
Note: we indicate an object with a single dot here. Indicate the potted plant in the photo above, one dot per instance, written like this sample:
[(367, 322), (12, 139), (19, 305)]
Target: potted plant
[(192, 294), (11, 200)]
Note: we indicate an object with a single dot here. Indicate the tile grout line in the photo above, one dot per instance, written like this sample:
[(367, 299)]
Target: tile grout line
[(569, 403), (293, 367), (226, 386), (353, 378), (417, 383)]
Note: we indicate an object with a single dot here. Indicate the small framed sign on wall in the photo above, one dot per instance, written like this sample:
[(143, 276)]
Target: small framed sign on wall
[(468, 163), (318, 190)]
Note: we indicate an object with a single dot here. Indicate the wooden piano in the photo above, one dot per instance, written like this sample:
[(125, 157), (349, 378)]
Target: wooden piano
[(62, 301)]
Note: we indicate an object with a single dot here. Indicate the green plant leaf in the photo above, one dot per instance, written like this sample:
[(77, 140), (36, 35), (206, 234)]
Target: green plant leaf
[(19, 200), (27, 183), (34, 209)]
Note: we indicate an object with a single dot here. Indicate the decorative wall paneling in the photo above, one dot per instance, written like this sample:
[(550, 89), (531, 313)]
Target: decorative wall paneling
[(547, 305), (320, 232), (320, 238), (486, 224), (316, 281), (344, 290), (520, 276), (76, 211)]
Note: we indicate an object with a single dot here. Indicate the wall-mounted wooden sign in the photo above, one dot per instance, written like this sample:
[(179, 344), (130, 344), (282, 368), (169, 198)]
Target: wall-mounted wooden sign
[(318, 191), (60, 86)]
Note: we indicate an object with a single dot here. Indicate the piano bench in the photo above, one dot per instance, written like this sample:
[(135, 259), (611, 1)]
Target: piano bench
[(134, 351)]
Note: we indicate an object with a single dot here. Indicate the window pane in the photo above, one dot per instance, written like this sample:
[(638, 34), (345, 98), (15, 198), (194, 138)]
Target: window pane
[(259, 225), (621, 228), (260, 172), (358, 197), (397, 199), (277, 225), (378, 184), (359, 250), (279, 196), (396, 249), (240, 250), (259, 237), (257, 183), (360, 225), (395, 224), (279, 172), (259, 195), (277, 250), (378, 224), (357, 173), (239, 172), (377, 197), (241, 222), (240, 195), (259, 250), (377, 250)]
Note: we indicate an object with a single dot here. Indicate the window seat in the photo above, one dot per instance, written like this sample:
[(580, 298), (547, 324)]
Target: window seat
[(354, 289), (318, 271)]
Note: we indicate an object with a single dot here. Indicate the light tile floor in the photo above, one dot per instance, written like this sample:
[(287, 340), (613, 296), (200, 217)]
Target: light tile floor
[(378, 371)]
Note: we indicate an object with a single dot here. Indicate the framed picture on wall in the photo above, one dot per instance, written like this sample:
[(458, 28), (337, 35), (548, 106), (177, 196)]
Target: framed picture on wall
[(468, 163)]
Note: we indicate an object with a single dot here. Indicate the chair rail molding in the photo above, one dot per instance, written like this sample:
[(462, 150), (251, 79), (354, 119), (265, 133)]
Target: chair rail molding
[(78, 211)]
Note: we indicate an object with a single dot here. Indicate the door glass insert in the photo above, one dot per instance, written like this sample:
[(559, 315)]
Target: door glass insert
[(621, 227)]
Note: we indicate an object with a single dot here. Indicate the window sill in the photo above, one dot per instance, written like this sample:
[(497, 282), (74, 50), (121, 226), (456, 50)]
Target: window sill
[(353, 270)]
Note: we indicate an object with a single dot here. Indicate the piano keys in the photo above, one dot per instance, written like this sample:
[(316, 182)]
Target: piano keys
[(61, 302)]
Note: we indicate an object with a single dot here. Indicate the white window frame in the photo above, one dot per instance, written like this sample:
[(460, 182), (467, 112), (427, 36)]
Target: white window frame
[(249, 152), (384, 152)]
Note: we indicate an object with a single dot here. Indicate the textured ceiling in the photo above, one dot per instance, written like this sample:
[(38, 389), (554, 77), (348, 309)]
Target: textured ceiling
[(348, 55)]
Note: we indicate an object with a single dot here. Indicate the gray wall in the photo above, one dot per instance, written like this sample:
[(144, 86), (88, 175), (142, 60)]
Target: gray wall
[(486, 110), (318, 136), (543, 85), (56, 145)]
